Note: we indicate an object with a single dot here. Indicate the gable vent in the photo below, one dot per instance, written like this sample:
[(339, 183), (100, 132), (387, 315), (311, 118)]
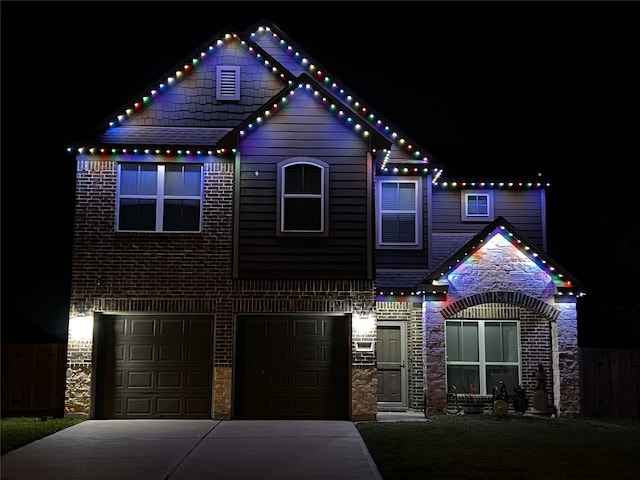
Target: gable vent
[(228, 83)]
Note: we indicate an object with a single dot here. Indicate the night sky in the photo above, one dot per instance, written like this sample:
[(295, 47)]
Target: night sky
[(505, 89)]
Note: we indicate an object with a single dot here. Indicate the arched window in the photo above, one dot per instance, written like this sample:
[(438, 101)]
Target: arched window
[(302, 196)]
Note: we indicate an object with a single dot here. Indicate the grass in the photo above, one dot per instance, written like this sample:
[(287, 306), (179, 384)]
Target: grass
[(489, 447), (18, 431)]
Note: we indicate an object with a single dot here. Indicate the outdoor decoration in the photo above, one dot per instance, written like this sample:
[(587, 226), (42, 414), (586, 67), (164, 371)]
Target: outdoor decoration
[(540, 393), (520, 401), (500, 399)]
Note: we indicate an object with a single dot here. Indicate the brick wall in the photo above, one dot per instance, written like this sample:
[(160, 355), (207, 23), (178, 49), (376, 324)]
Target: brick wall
[(185, 273)]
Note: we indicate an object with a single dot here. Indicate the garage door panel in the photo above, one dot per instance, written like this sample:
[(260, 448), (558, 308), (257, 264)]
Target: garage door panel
[(199, 352), (139, 406), (170, 379), (278, 379), (304, 327), (197, 406), (158, 366), (306, 380), (118, 326), (276, 327), (277, 354), (141, 327), (168, 406), (199, 327), (170, 353), (137, 379), (306, 353), (118, 379), (199, 379), (119, 352), (170, 327), (140, 353)]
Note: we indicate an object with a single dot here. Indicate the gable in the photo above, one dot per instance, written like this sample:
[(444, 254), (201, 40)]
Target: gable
[(497, 262), (501, 255), (193, 102), (302, 124)]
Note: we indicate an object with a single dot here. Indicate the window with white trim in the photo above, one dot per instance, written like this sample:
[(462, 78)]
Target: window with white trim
[(227, 83), (477, 205), (302, 193), (159, 197), (399, 213), (482, 352)]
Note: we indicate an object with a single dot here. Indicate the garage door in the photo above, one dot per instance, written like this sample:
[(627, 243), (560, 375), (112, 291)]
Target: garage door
[(292, 367), (155, 366)]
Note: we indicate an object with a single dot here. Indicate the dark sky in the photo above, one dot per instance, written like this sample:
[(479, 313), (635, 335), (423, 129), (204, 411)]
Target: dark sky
[(492, 89)]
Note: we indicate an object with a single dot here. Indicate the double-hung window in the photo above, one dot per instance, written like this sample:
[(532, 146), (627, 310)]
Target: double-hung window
[(477, 206), (482, 352), (399, 213), (159, 197), (302, 192)]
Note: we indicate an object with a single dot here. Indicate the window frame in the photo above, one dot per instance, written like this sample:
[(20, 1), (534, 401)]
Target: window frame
[(159, 197), (417, 212), (482, 363), (323, 196), (466, 215)]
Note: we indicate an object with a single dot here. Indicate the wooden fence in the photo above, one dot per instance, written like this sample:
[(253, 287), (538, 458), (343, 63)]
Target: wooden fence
[(610, 382), (33, 379)]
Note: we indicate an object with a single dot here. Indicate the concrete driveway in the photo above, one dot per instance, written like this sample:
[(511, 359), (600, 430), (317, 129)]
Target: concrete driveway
[(194, 450)]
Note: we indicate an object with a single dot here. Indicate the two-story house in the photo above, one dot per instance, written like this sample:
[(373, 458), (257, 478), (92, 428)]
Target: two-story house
[(255, 241)]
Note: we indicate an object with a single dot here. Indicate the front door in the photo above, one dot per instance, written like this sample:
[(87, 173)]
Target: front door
[(391, 356)]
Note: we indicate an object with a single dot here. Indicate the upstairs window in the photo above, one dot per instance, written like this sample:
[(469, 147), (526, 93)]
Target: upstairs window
[(227, 83), (399, 213), (159, 198), (477, 206), (302, 192)]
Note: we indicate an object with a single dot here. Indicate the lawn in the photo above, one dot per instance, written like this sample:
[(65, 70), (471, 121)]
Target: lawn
[(18, 431), (508, 447)]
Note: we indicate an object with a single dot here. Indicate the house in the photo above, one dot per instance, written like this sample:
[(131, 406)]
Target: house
[(254, 241)]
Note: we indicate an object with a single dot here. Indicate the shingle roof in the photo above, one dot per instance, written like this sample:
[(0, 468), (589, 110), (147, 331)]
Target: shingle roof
[(184, 136)]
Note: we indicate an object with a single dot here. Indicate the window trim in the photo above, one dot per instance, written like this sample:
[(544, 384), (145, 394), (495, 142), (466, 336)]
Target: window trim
[(324, 198), (418, 212), (464, 206), (159, 198)]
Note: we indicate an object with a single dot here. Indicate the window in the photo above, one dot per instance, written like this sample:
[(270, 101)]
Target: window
[(399, 213), (477, 205), (482, 352), (159, 198), (302, 191), (227, 83)]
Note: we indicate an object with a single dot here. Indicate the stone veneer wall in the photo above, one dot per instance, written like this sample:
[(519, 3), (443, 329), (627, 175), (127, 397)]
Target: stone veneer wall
[(566, 362)]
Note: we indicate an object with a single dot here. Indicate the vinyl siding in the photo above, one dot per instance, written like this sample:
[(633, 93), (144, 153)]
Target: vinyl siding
[(303, 128)]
